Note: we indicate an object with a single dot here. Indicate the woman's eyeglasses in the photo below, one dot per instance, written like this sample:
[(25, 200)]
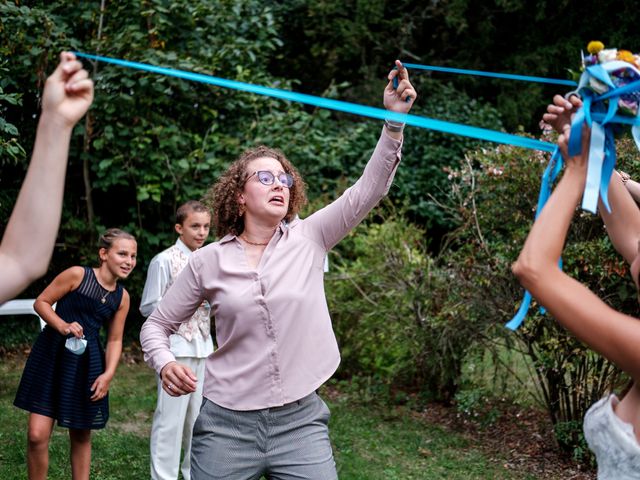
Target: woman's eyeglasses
[(265, 177)]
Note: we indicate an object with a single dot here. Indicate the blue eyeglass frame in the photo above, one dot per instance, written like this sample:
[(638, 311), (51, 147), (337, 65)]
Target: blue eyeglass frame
[(267, 177)]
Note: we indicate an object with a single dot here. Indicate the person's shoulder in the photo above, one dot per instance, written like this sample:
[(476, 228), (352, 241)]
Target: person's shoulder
[(210, 250), (293, 223), (163, 255), (71, 277), (125, 299), (75, 272)]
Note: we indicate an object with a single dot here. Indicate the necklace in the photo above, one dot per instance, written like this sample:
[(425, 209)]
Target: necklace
[(107, 292), (258, 244), (104, 297)]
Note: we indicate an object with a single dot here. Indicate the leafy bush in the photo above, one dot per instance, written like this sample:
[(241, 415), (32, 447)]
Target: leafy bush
[(394, 309), (427, 154)]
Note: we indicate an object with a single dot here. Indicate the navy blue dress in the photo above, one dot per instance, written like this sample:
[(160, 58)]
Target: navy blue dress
[(57, 383)]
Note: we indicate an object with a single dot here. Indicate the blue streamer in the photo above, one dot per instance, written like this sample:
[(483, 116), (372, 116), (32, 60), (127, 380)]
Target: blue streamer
[(608, 166), (594, 169), (519, 317), (346, 107), (423, 122), (548, 178), (602, 154), (575, 138), (480, 73)]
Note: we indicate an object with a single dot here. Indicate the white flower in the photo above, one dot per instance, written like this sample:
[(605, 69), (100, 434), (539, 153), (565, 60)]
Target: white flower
[(597, 85), (607, 55)]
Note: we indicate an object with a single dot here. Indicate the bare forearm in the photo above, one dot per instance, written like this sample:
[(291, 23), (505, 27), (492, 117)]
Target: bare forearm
[(31, 232), (545, 242), (48, 314), (633, 188), (623, 222), (112, 357)]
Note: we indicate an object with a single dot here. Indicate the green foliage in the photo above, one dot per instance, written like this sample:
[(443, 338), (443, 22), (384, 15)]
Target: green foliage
[(10, 148), (323, 44), (150, 142), (427, 155), (570, 433), (475, 403), (395, 311)]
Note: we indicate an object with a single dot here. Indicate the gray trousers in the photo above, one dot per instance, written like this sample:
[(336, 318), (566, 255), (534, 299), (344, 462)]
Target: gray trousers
[(281, 443)]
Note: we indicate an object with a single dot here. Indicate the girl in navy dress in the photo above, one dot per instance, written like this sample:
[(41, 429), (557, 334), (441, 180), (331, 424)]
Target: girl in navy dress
[(66, 379)]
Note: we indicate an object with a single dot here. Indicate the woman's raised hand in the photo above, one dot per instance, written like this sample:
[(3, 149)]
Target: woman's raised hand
[(399, 99)]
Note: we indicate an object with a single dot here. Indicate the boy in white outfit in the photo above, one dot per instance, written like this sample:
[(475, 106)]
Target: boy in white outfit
[(174, 416)]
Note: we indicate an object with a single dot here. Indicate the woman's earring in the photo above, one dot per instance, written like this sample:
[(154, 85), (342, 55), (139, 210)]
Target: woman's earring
[(241, 210)]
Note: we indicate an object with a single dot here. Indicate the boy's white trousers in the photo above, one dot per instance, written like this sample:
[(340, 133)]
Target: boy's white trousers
[(172, 427)]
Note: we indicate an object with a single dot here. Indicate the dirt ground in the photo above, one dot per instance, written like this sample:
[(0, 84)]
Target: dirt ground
[(523, 436)]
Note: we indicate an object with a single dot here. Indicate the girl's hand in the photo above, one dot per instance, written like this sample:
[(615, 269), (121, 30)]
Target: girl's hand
[(561, 111), (73, 328), (100, 387), (579, 162), (399, 99)]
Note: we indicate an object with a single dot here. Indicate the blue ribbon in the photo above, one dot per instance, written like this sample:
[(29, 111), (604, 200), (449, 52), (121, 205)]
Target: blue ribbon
[(480, 73), (346, 107), (548, 178)]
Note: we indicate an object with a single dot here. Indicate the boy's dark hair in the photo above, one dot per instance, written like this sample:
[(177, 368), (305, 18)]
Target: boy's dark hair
[(188, 207)]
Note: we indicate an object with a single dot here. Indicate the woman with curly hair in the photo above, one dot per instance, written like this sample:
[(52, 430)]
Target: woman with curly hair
[(264, 281)]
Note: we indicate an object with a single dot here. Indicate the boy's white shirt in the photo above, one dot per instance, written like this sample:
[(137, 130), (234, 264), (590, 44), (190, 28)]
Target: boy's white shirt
[(159, 277)]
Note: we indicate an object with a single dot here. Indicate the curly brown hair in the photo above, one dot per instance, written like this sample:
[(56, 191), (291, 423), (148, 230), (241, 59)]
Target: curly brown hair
[(222, 197)]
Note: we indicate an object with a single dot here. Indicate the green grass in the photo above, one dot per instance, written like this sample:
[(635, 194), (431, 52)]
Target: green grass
[(119, 452), (370, 442), (393, 443)]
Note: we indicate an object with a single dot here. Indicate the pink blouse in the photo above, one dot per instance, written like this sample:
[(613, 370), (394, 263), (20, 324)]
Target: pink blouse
[(272, 326)]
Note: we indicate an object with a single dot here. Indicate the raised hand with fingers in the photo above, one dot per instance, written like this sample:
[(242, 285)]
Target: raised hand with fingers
[(68, 91), (401, 98), (561, 111)]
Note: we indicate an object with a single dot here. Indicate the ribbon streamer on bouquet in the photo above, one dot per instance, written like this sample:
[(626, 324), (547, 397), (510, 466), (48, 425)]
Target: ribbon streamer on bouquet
[(481, 73), (601, 117), (548, 178)]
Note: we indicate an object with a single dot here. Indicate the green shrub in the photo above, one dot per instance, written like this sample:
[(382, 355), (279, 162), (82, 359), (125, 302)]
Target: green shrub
[(392, 309)]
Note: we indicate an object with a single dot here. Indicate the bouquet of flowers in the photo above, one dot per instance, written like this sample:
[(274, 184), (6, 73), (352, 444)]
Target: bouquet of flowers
[(622, 67)]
